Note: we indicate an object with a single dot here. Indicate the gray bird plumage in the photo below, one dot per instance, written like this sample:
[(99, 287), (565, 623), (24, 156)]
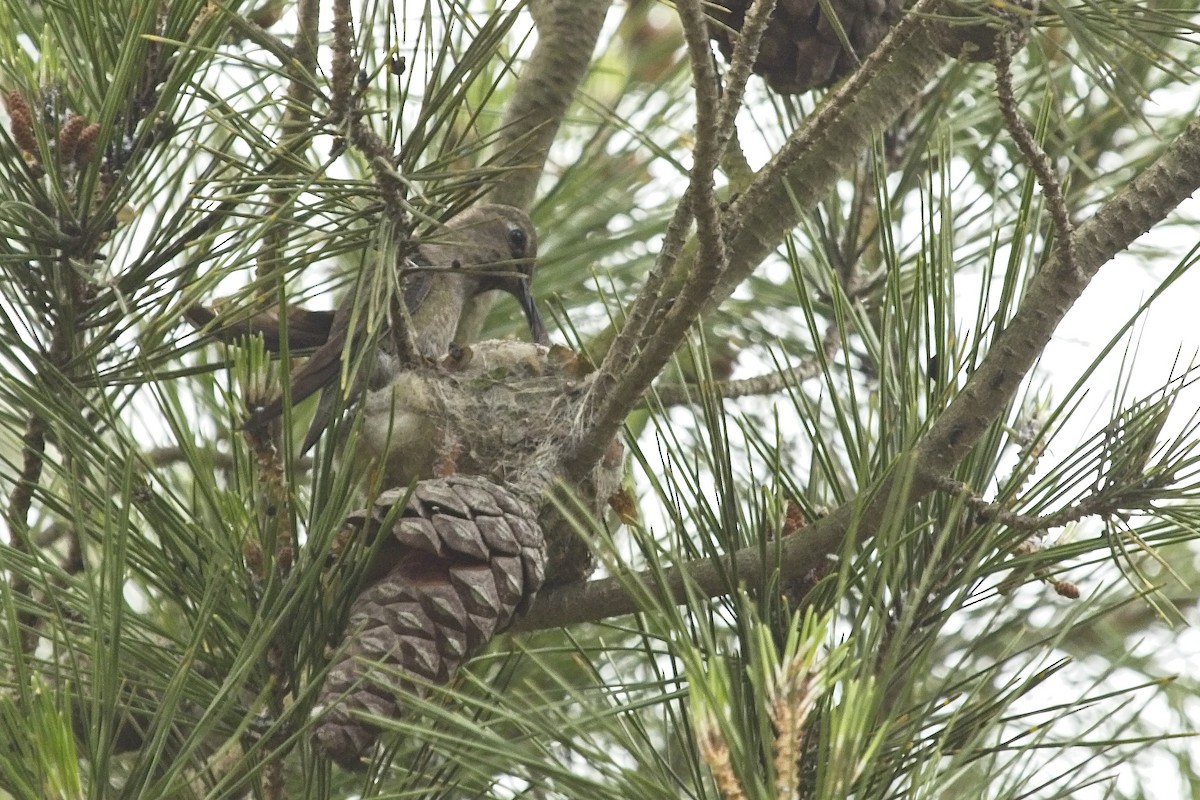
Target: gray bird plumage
[(484, 248)]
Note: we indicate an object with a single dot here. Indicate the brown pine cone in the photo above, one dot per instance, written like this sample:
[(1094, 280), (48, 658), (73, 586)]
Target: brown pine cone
[(801, 49), (469, 556)]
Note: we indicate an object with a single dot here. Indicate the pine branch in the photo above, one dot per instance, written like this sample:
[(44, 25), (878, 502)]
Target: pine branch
[(545, 89), (791, 184), (1146, 201)]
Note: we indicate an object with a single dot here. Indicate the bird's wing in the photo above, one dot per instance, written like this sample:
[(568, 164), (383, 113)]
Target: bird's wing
[(306, 329), (416, 289), (323, 370)]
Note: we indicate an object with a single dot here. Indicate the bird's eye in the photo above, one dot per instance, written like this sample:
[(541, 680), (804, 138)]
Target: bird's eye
[(518, 241)]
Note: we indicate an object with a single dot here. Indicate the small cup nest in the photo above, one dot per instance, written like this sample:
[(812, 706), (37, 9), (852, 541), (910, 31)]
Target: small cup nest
[(499, 409)]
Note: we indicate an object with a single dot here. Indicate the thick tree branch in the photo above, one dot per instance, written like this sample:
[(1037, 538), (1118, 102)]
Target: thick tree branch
[(1144, 202), (790, 185), (545, 89)]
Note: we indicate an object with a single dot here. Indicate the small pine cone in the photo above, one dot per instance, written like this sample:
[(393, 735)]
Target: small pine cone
[(801, 49), (68, 138), (20, 122), (470, 556), (87, 144)]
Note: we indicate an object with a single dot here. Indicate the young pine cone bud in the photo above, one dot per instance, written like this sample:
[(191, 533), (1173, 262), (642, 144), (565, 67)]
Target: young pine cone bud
[(467, 557), (68, 138), (86, 148), (20, 122)]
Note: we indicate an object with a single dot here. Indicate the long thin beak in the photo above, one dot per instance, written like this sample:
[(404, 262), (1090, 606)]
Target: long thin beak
[(536, 329)]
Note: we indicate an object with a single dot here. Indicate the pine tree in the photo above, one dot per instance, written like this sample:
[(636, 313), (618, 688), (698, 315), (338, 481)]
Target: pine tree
[(794, 513)]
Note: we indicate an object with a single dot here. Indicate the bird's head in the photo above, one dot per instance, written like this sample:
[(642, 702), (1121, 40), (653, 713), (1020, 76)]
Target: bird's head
[(497, 246)]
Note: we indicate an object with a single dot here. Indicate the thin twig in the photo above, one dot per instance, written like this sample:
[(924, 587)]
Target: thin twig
[(768, 383), (393, 189), (1095, 504), (276, 535), (303, 66), (618, 385), (754, 25), (648, 304), (170, 456), (1035, 156), (294, 126), (706, 155), (345, 108)]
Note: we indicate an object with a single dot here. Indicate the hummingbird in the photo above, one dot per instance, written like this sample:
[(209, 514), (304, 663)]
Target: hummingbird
[(484, 248)]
